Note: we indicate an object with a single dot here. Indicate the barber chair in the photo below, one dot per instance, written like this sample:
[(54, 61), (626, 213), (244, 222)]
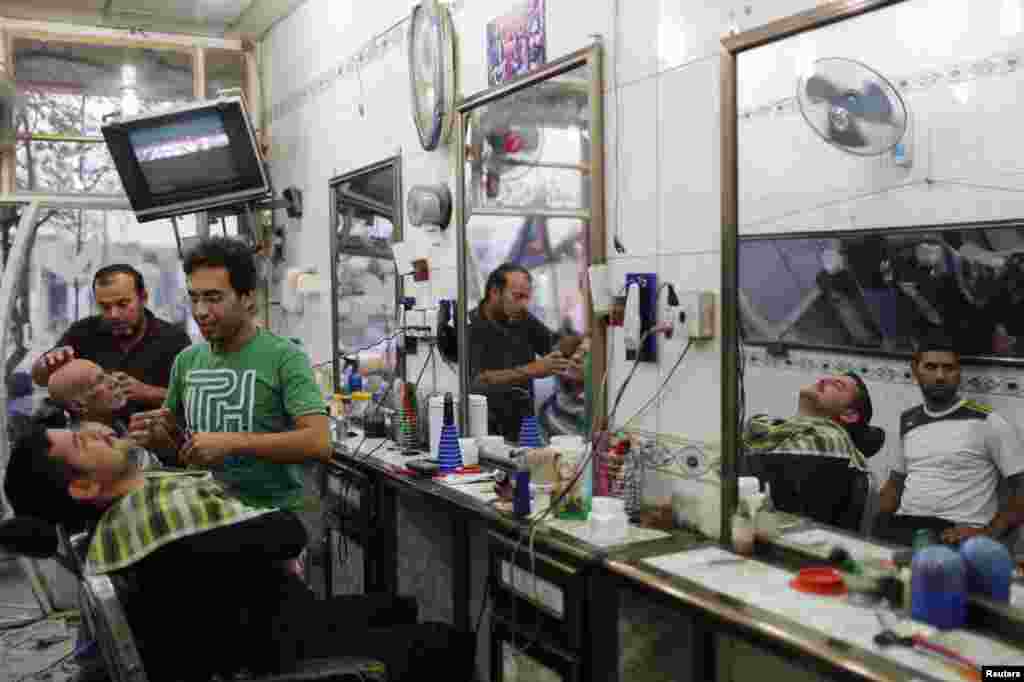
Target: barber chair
[(104, 615), (824, 489)]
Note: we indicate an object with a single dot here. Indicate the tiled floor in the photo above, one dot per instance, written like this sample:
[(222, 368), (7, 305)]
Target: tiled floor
[(41, 651)]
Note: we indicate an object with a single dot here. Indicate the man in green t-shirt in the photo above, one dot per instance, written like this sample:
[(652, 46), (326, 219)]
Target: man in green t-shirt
[(245, 404)]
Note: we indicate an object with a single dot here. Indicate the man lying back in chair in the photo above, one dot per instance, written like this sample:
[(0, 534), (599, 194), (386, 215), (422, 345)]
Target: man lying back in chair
[(816, 461), (207, 592)]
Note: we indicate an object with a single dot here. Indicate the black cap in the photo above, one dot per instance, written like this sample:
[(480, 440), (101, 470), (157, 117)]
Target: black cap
[(866, 411)]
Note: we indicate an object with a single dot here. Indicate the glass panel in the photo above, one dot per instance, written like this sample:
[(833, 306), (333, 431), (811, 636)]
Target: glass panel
[(881, 197), (66, 92), (70, 246), (225, 69), (364, 270), (530, 149)]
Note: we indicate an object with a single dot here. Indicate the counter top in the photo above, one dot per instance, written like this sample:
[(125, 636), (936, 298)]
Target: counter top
[(570, 537), (670, 564)]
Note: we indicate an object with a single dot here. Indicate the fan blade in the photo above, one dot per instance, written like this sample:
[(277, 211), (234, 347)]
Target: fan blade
[(871, 104), (851, 137), (818, 87)]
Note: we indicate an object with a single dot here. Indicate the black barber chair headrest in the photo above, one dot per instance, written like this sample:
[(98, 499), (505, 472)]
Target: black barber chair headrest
[(29, 537), (868, 439)]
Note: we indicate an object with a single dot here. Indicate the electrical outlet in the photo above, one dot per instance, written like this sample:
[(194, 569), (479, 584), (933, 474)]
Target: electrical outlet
[(697, 314)]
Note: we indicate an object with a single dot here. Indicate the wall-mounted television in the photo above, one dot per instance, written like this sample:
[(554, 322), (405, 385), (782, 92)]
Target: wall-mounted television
[(880, 291), (191, 158)]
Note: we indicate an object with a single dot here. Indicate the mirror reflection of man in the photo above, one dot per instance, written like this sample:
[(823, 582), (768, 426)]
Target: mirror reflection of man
[(124, 339), (509, 348), (951, 455)]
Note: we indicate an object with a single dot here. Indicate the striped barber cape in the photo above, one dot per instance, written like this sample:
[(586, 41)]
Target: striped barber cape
[(169, 506), (810, 436)]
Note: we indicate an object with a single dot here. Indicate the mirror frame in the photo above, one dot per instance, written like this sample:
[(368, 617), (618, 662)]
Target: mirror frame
[(395, 163), (596, 234), (1004, 619)]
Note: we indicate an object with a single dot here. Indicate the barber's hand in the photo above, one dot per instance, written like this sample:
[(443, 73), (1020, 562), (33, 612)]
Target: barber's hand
[(207, 449), (575, 369), (552, 363), (132, 388), (958, 534), (56, 358), (154, 429)]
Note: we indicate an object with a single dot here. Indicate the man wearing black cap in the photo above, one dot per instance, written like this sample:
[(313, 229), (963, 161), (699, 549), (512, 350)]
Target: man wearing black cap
[(816, 461), (951, 455)]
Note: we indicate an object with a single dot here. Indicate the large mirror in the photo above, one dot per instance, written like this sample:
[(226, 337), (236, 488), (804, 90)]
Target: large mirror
[(873, 195), (531, 202), (366, 219)]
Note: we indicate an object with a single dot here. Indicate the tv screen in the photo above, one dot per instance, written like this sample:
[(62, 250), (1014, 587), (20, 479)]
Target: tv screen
[(189, 159)]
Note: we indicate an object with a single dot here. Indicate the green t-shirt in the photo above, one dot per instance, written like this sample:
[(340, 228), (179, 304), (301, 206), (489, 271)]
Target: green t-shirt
[(261, 388)]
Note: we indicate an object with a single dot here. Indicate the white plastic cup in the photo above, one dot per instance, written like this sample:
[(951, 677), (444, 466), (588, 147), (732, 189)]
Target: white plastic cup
[(477, 415), (470, 451)]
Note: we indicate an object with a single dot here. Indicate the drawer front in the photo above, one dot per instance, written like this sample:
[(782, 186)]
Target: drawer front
[(349, 500), (540, 592), (516, 657)]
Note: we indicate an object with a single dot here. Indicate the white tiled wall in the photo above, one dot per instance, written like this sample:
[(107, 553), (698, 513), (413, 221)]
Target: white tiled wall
[(662, 136)]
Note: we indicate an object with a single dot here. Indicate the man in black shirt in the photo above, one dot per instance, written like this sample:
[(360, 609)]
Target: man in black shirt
[(125, 338), (505, 341), (201, 573)]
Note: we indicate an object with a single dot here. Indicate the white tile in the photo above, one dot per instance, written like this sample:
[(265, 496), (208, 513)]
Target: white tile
[(570, 29), (690, 405), (689, 159), (688, 31), (636, 40), (637, 172)]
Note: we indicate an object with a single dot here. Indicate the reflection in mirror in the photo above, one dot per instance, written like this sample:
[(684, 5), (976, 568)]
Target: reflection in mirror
[(527, 199), (883, 291), (880, 194), (366, 222), (527, 149), (70, 245)]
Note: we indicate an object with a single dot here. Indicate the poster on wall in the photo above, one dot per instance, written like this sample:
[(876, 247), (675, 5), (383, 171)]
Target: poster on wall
[(516, 42)]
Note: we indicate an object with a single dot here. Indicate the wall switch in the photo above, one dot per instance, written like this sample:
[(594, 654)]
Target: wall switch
[(647, 288), (697, 310)]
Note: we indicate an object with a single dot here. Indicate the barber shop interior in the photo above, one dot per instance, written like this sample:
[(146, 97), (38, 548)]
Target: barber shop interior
[(512, 340)]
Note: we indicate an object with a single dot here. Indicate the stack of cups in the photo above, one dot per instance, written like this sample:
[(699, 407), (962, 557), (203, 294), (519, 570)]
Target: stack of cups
[(407, 429), (529, 433), (449, 456)]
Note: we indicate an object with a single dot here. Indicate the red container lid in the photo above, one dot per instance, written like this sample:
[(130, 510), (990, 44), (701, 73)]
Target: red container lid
[(819, 580)]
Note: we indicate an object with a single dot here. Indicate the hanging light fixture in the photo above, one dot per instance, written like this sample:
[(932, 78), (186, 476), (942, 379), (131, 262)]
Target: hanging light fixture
[(129, 91)]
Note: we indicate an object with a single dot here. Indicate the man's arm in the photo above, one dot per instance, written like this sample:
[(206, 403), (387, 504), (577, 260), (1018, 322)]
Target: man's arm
[(1011, 514), (310, 440), (538, 369), (52, 360), (1005, 449), (892, 493)]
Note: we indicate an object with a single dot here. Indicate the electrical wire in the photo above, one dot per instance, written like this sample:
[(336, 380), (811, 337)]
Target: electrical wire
[(657, 393), (586, 461)]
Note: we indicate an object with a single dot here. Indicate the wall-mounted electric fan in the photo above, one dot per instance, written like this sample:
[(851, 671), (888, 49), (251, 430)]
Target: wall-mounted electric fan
[(852, 106)]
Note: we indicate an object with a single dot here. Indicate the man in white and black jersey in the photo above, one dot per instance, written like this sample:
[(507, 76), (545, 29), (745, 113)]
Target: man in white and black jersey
[(950, 458)]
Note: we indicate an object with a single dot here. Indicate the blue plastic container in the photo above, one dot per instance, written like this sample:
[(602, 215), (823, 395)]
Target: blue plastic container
[(521, 494), (989, 567), (938, 587)]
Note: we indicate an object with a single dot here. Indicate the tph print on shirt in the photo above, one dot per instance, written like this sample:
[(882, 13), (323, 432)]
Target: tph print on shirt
[(220, 400)]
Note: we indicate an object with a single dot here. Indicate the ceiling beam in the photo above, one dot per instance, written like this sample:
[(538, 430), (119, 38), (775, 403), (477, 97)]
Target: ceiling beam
[(95, 32), (260, 16)]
